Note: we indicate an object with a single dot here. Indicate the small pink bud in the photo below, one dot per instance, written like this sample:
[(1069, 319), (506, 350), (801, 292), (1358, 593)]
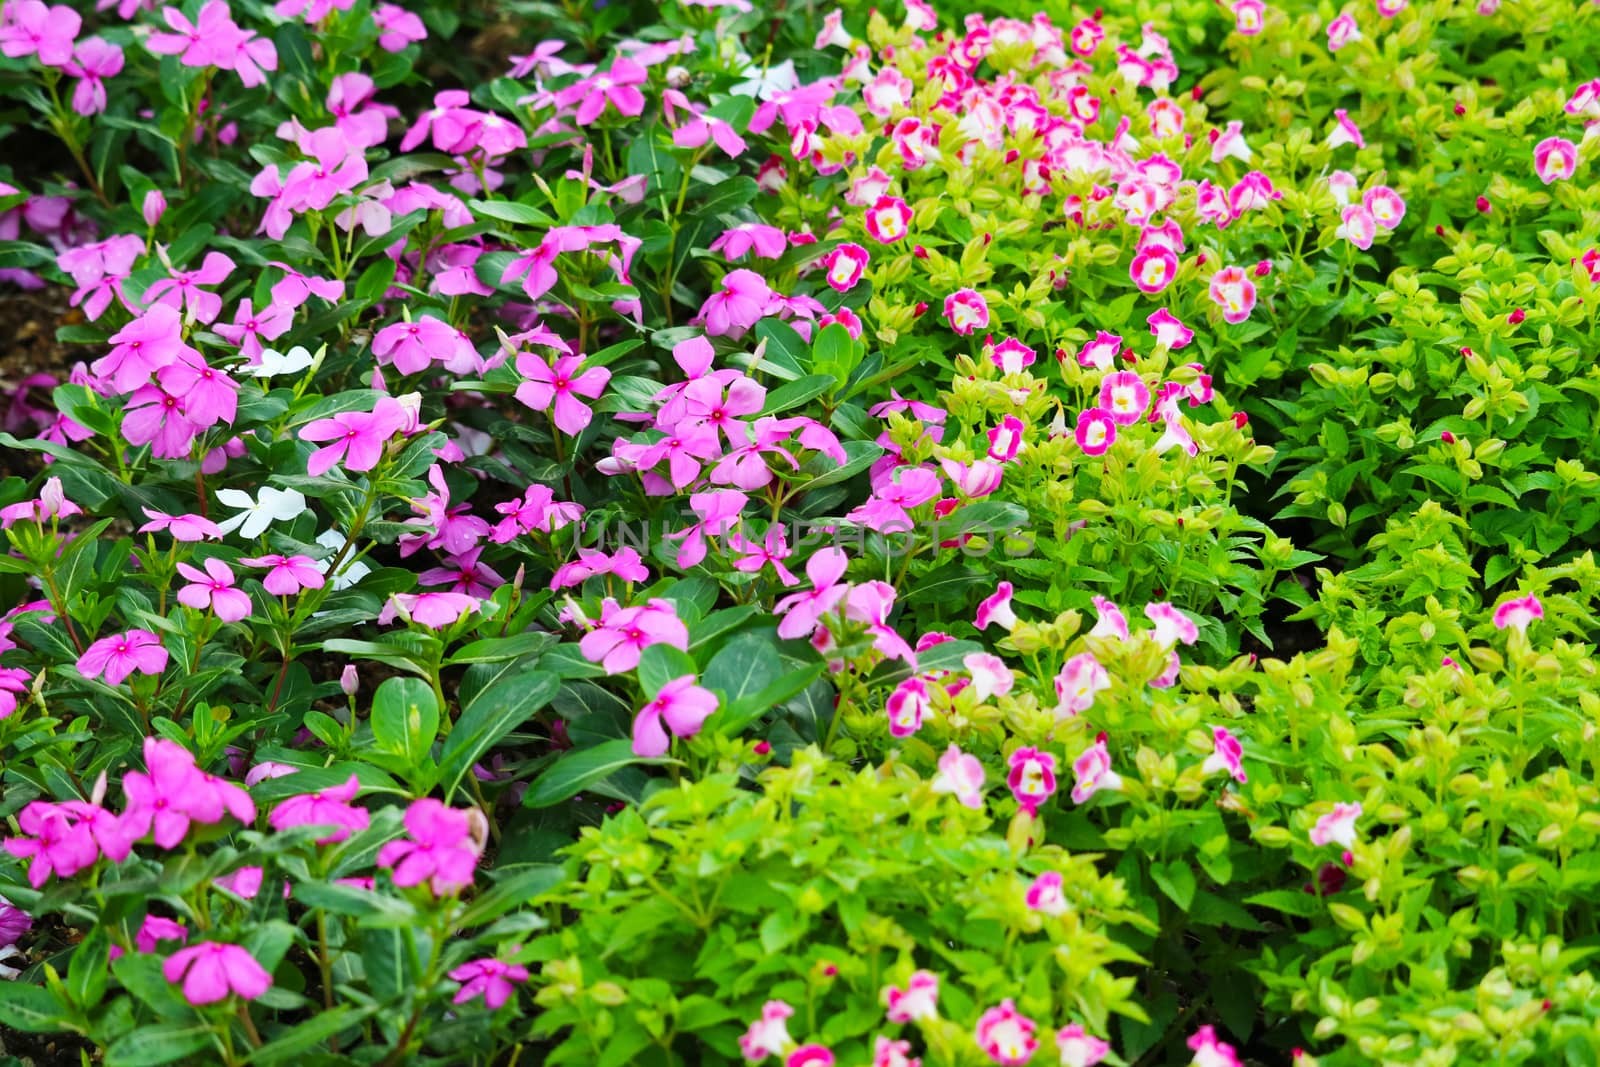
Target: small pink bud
[(155, 205), (1516, 317), (1200, 260), (1484, 206), (1196, 93), (1461, 109), (1240, 420), (1263, 268), (1447, 437), (763, 748), (921, 308), (919, 252), (1438, 231), (348, 681)]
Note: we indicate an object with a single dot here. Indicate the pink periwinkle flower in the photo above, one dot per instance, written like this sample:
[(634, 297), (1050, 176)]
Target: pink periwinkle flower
[(357, 438), (616, 87), (182, 528), (287, 575), (557, 387), (13, 684), (211, 971), (397, 27), (623, 633), (432, 610), (57, 843), (120, 655), (92, 62), (803, 612), (681, 705), (155, 930), (329, 807), (494, 980), (442, 849), (737, 306), (31, 28), (174, 793), (214, 588)]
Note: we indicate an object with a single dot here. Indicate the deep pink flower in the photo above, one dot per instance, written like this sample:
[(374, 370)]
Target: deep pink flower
[(182, 289), (1337, 826), (908, 705), (1078, 1048), (358, 438), (737, 306), (93, 61), (1096, 431), (681, 705), (433, 610), (150, 342), (249, 329), (557, 388), (397, 27), (489, 978), (211, 971), (57, 843), (623, 633), (412, 347), (1233, 291), (802, 612), (1125, 396), (13, 683), (1209, 1051), (330, 807), (768, 242), (1226, 755), (442, 849), (960, 775), (1517, 613), (155, 930), (214, 588), (616, 87), (120, 655), (209, 41), (175, 792), (1168, 331), (966, 311), (768, 1035), (888, 219), (1093, 771), (1555, 159)]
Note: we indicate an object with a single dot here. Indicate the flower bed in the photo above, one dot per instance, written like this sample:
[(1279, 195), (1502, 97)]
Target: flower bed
[(712, 533)]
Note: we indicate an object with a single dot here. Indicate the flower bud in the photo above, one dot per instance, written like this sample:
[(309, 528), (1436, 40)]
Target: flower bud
[(348, 680), (154, 206)]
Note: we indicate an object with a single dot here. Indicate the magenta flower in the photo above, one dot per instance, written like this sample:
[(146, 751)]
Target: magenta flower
[(1153, 268), (93, 61), (13, 683), (357, 438), (120, 655), (155, 930), (211, 971), (249, 329), (411, 347), (488, 978), (803, 611), (1555, 159), (773, 549), (184, 528), (1125, 396), (1233, 291), (1172, 625), (330, 807), (623, 633), (56, 843), (996, 608), (768, 242), (908, 705), (1078, 1048), (442, 850), (768, 1035), (810, 1055), (556, 389), (1005, 440), (1006, 1035), (214, 588), (433, 610), (1032, 778), (207, 42), (174, 793), (1093, 771), (960, 775), (150, 342), (737, 306), (287, 575), (31, 28), (14, 922), (616, 87), (397, 27), (888, 219), (682, 705), (1080, 679), (51, 504), (966, 311)]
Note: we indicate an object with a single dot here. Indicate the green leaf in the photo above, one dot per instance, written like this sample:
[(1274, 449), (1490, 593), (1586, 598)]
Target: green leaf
[(733, 717), (405, 719), (512, 212), (800, 391), (578, 770), (158, 1043), (744, 666), (29, 1008), (517, 886), (495, 712), (89, 968), (787, 356), (1288, 902), (729, 195), (1176, 880), (310, 1034)]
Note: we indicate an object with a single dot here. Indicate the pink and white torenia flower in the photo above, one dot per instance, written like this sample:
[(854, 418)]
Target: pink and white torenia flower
[(1006, 1035), (556, 388), (1045, 895), (1153, 268), (1555, 159), (1100, 350), (442, 848), (961, 775), (966, 311), (845, 265), (1168, 331), (1005, 440), (996, 608), (1093, 771), (1337, 827), (918, 1001), (1079, 680), (1210, 1051), (1125, 396), (1078, 1048), (494, 980), (120, 655), (211, 971), (768, 1035), (1357, 225), (329, 807), (1517, 613), (1110, 621), (888, 220), (623, 633), (1345, 131), (1172, 625), (1032, 778), (1232, 290), (1388, 207), (989, 673), (908, 705), (682, 705), (1226, 755), (1096, 431), (214, 588)]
